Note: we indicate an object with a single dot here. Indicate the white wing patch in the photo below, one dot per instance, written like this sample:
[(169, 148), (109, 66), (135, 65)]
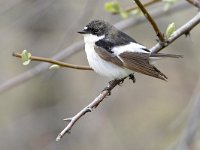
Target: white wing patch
[(131, 47)]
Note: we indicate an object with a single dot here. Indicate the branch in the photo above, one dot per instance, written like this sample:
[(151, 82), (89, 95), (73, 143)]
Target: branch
[(89, 107), (62, 64), (21, 78), (184, 30), (150, 19), (192, 124), (195, 3), (181, 31), (136, 7)]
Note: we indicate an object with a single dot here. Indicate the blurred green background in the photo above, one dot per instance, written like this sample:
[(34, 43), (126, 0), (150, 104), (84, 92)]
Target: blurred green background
[(148, 115)]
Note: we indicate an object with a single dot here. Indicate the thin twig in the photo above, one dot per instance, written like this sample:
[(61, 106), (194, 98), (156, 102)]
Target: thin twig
[(185, 29), (195, 3), (145, 5), (150, 19), (181, 31), (52, 61)]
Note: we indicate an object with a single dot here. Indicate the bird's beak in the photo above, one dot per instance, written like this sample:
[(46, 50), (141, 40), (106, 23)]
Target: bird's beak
[(82, 32)]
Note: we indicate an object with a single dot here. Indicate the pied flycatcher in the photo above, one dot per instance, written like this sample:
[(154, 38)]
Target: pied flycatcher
[(112, 53)]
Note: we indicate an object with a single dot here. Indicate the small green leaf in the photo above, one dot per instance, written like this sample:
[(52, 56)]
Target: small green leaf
[(170, 29), (123, 14), (112, 7), (54, 66), (26, 57), (137, 12), (168, 4)]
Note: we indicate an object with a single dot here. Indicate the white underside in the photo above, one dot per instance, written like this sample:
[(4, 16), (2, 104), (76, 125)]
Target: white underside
[(103, 67)]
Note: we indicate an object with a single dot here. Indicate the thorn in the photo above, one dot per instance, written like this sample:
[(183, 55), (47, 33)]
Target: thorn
[(58, 138), (121, 82), (106, 89), (89, 109), (109, 93), (187, 34), (67, 119)]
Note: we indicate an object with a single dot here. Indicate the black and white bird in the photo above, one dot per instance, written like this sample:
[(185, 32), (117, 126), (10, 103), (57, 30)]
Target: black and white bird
[(112, 53)]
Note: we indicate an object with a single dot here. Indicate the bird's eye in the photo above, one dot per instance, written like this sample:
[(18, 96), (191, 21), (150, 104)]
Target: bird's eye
[(95, 30)]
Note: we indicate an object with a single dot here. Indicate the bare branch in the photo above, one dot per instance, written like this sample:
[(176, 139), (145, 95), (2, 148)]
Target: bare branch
[(136, 7), (192, 126), (62, 64), (185, 29), (88, 108), (195, 3), (150, 19), (181, 31)]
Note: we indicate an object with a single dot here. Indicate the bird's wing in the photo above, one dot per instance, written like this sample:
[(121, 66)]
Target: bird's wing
[(139, 62), (162, 55), (108, 56)]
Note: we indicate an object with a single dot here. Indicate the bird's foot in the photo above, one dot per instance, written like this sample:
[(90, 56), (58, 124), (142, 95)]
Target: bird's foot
[(132, 77)]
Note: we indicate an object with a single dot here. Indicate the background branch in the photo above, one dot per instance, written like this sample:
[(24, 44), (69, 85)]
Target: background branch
[(136, 7), (192, 124), (195, 3)]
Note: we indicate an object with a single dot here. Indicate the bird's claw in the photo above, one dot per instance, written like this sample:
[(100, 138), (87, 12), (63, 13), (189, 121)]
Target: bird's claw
[(132, 77)]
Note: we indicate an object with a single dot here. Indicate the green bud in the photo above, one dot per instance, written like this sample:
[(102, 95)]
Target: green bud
[(112, 7), (168, 4), (26, 57), (170, 29), (123, 14), (54, 66)]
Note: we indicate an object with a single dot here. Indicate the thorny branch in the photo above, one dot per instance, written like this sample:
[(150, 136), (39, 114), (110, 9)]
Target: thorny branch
[(88, 108), (181, 31), (150, 19)]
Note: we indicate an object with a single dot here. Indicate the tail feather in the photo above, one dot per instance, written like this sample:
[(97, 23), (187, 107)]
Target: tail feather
[(165, 55)]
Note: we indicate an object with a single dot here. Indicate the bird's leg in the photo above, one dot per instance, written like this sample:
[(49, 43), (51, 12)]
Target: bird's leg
[(121, 81), (132, 77)]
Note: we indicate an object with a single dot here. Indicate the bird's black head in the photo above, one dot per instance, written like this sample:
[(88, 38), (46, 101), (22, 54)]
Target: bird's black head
[(96, 27)]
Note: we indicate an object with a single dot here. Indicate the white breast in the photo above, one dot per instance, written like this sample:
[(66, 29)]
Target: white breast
[(103, 67), (99, 65)]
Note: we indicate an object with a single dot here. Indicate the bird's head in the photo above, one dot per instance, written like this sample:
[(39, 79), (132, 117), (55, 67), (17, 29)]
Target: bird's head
[(96, 27)]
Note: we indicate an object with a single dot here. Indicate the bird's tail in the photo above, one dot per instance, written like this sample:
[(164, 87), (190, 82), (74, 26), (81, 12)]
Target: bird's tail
[(163, 55)]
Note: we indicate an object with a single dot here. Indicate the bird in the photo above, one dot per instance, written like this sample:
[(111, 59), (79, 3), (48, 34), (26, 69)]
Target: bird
[(116, 55)]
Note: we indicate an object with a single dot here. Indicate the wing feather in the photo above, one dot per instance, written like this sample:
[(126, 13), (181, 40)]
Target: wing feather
[(139, 62), (107, 56)]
